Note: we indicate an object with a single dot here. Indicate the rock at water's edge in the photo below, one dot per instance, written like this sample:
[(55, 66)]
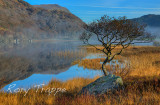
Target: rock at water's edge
[(102, 85)]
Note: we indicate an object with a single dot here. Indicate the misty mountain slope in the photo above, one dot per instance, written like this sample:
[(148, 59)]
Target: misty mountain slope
[(52, 7), (22, 20), (151, 20)]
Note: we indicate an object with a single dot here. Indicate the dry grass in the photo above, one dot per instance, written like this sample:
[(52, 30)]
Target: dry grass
[(35, 97), (141, 61), (141, 84), (136, 90)]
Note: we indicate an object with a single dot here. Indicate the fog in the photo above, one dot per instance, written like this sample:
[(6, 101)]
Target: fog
[(50, 57), (154, 31), (20, 60)]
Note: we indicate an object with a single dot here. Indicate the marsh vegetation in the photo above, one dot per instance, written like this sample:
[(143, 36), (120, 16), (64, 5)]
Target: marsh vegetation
[(141, 76)]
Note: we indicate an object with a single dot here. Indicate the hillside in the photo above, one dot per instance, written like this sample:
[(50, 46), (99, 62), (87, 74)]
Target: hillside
[(52, 7), (151, 20), (18, 19)]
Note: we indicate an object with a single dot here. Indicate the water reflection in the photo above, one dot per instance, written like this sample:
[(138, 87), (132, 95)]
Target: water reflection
[(39, 62), (38, 79), (20, 62)]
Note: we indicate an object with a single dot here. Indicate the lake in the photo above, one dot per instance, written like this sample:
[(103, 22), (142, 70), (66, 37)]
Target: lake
[(24, 66), (40, 62)]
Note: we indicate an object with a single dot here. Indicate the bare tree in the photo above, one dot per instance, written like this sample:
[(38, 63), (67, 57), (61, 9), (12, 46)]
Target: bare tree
[(112, 33)]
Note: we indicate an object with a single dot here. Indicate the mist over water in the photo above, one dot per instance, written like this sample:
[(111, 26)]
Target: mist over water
[(52, 57), (20, 61), (154, 30), (43, 47)]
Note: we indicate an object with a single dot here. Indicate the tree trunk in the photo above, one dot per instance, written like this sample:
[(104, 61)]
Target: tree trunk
[(104, 68)]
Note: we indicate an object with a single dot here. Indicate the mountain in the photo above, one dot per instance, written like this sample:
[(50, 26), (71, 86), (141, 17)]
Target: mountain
[(19, 19), (151, 20), (153, 23), (52, 7)]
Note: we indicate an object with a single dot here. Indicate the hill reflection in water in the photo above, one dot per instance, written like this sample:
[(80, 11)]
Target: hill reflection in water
[(21, 61), (38, 79)]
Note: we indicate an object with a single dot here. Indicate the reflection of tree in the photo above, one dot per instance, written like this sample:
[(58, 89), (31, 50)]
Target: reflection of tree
[(114, 33)]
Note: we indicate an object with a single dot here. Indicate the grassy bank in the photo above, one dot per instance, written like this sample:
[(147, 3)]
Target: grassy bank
[(136, 60), (136, 90), (141, 83)]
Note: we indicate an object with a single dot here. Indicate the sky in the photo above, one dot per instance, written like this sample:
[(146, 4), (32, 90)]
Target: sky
[(89, 10)]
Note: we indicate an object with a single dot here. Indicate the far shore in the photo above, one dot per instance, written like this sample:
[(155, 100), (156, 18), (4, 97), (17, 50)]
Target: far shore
[(53, 40)]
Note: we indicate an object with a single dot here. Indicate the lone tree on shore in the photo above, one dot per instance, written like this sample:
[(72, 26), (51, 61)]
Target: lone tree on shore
[(114, 32)]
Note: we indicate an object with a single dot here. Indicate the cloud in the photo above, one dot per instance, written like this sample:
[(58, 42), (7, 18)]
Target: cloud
[(134, 8), (117, 12), (94, 6), (102, 6)]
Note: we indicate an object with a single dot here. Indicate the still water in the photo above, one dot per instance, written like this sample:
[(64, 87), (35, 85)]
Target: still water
[(38, 63), (38, 79)]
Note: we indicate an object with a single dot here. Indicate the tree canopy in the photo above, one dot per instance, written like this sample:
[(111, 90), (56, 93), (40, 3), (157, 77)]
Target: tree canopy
[(113, 32)]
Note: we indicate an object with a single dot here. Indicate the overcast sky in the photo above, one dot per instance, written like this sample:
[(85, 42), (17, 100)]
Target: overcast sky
[(89, 10)]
